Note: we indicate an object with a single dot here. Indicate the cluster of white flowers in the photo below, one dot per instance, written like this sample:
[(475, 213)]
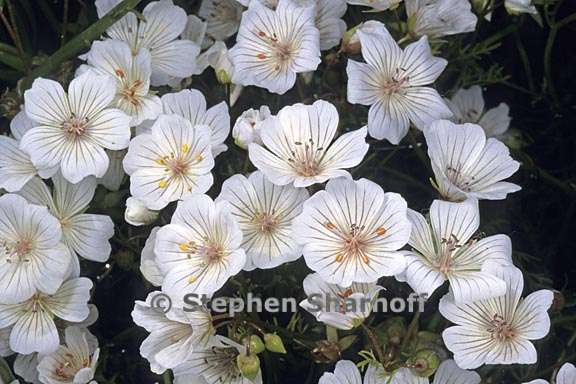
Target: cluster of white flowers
[(111, 122)]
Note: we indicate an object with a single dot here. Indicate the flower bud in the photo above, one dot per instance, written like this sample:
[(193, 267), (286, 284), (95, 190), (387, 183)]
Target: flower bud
[(424, 363), (137, 214), (249, 365), (247, 127), (395, 329), (255, 344), (274, 343), (326, 352), (351, 42)]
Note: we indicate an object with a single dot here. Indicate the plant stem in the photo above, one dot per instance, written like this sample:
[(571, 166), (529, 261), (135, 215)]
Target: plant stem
[(64, 23), (81, 41), (167, 378), (331, 334)]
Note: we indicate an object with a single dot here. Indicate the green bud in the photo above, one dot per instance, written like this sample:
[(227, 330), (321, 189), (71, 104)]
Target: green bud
[(223, 76), (249, 365), (255, 343), (274, 343), (395, 328), (350, 42), (424, 363)]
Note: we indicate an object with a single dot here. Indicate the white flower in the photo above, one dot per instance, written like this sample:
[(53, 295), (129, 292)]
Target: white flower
[(444, 248), (73, 363), (264, 212), (337, 306), (114, 176), (448, 373), (32, 256), (170, 163), (132, 74), (217, 58), (393, 84), (379, 5), (466, 164), (195, 31), (191, 105), (148, 265), (352, 231), (346, 372), (72, 130), (137, 214), (248, 126), (222, 17), (16, 168), (84, 234), (33, 320), (436, 18), (516, 7), (174, 335), (497, 330), (566, 375), (273, 46), (328, 20), (159, 34), (299, 147), (215, 364), (467, 105), (201, 247)]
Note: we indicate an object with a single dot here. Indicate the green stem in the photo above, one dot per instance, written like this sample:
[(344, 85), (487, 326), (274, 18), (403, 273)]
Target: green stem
[(412, 329), (81, 41), (64, 23), (167, 378)]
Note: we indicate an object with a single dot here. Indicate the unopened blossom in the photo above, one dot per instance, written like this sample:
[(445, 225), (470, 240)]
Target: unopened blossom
[(497, 330), (351, 41), (273, 46), (467, 105), (200, 248), (169, 163), (393, 83), (174, 335), (378, 5), (148, 265), (566, 375), (74, 362), (85, 234), (219, 60), (114, 176), (466, 164), (191, 105), (352, 232), (436, 18), (247, 128), (215, 364), (348, 306), (132, 74), (32, 256), (33, 320), (137, 214), (444, 247), (516, 7), (346, 372), (299, 149), (264, 212), (448, 373), (164, 23), (72, 130), (222, 17)]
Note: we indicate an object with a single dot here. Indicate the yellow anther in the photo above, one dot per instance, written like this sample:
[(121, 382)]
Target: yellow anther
[(192, 279), (183, 247), (185, 148), (339, 257), (162, 184), (329, 225), (161, 161)]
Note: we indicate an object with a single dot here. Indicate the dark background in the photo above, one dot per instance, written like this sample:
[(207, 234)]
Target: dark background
[(529, 66)]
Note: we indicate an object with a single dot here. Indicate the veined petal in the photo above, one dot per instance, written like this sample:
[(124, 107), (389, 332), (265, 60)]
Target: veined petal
[(89, 236), (47, 103), (424, 106), (388, 119), (70, 301), (450, 373), (348, 150), (363, 83), (531, 319), (16, 168), (70, 199), (418, 63), (454, 220), (34, 331), (83, 159), (380, 51), (177, 58), (89, 94), (345, 372)]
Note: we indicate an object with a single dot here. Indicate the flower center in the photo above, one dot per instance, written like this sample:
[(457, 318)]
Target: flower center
[(306, 158), (70, 365), (459, 179), (266, 222), (500, 330), (75, 126), (177, 166), (355, 241), (396, 83), (18, 252), (129, 92)]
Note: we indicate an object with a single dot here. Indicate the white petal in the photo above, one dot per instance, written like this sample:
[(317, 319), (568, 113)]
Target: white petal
[(16, 169), (450, 373), (345, 372), (46, 102), (70, 301), (419, 65), (35, 331), (88, 235)]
